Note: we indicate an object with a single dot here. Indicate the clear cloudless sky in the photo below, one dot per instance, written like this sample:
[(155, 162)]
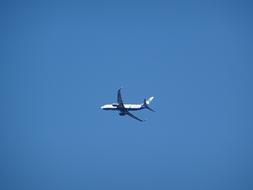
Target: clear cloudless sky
[(61, 60)]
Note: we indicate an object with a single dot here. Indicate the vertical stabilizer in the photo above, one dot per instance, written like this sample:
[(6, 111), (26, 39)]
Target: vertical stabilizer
[(147, 102)]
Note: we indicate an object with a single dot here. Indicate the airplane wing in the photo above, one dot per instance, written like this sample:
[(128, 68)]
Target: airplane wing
[(119, 99), (133, 116), (121, 105)]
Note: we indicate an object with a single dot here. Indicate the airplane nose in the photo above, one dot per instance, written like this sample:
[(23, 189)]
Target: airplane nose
[(102, 107)]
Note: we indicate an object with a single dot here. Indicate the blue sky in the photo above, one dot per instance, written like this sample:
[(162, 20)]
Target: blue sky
[(61, 60)]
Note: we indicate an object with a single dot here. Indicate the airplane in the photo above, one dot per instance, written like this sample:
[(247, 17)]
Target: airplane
[(125, 108)]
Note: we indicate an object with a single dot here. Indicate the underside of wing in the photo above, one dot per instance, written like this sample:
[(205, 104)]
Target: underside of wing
[(119, 99), (133, 116)]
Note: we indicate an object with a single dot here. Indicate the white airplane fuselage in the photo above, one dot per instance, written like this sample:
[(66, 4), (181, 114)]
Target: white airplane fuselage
[(129, 107)]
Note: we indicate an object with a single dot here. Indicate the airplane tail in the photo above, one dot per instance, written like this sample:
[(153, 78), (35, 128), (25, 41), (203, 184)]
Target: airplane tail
[(147, 102)]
